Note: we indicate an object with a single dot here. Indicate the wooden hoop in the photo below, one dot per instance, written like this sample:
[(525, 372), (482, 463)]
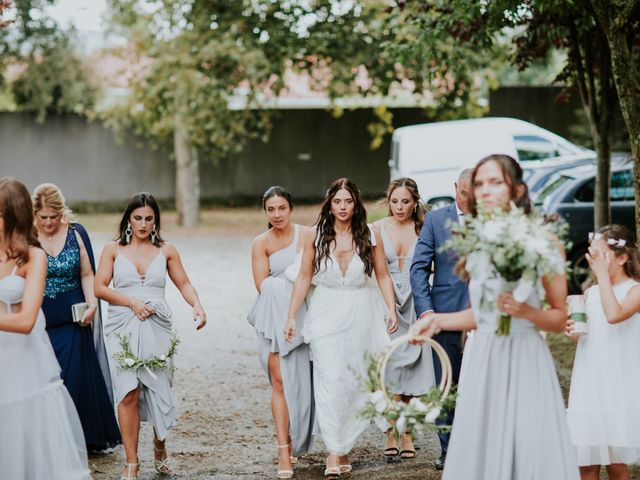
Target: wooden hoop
[(447, 374)]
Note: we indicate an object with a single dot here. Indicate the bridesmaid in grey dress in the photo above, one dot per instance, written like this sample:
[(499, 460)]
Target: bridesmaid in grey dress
[(274, 256), (510, 422), (137, 264), (410, 369)]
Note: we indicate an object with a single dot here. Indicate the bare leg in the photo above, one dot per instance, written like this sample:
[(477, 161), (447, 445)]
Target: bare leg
[(618, 471), (280, 411), (592, 472), (406, 441), (129, 419)]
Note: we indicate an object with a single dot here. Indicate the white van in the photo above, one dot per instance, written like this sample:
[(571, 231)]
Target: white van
[(433, 154)]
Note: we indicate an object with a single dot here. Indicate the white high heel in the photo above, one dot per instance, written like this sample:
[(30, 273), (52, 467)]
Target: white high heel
[(129, 466), (288, 473), (162, 465)]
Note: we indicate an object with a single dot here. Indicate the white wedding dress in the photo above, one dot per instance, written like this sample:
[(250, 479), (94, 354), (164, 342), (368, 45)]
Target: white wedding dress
[(345, 324), (40, 432)]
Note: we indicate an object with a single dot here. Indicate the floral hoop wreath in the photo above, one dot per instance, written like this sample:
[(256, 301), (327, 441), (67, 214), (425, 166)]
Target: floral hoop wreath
[(420, 412), (447, 373), (128, 361)]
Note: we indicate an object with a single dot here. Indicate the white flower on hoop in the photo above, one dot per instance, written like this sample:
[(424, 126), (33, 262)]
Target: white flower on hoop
[(129, 361), (401, 424), (433, 415)]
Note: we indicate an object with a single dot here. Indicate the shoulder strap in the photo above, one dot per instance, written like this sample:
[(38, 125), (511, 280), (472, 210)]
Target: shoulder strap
[(296, 235), (15, 269), (87, 243)]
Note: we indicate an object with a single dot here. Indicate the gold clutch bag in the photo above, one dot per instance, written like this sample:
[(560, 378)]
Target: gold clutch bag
[(77, 311)]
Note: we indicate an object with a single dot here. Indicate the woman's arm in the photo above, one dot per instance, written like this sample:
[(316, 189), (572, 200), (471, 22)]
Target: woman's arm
[(35, 278), (179, 277), (385, 284), (103, 277), (302, 283), (86, 280), (553, 319), (259, 261), (432, 324)]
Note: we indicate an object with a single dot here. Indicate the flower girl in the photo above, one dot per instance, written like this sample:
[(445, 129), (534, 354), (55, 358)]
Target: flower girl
[(604, 400)]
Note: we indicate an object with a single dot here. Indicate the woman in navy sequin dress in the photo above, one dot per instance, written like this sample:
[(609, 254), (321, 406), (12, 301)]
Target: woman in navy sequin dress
[(70, 280)]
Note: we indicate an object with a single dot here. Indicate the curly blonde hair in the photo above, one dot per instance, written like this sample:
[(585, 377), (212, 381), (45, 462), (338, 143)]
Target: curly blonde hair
[(48, 195)]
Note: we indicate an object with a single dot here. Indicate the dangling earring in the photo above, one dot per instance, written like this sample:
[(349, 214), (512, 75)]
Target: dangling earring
[(127, 234), (415, 209), (330, 213), (153, 235), (357, 211)]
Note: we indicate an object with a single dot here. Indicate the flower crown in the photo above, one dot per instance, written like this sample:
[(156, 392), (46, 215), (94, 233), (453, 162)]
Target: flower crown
[(617, 242)]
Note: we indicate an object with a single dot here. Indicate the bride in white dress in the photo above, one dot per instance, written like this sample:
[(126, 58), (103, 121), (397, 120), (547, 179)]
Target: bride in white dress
[(40, 433), (345, 320)]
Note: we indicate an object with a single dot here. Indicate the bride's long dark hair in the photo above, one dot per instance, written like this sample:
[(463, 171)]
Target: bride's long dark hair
[(326, 234)]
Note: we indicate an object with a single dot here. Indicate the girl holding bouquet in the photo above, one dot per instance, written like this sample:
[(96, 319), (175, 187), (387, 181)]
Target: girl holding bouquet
[(509, 421), (139, 327), (287, 365), (604, 401)]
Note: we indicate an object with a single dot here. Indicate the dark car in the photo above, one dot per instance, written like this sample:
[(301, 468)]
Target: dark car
[(537, 174), (569, 194)]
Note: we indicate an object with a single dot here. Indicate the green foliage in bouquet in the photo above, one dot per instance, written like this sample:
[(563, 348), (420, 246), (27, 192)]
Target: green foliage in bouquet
[(413, 417), (510, 246), (127, 360)]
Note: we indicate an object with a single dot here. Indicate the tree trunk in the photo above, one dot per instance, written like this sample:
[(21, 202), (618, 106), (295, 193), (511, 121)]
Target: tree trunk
[(187, 177), (616, 21)]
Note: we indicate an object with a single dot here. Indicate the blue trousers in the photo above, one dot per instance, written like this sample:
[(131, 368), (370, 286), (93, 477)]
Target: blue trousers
[(452, 344)]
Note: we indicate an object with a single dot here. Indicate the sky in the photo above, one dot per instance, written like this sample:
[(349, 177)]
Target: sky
[(84, 14)]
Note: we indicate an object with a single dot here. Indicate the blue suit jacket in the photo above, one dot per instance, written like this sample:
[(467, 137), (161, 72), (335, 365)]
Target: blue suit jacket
[(448, 292)]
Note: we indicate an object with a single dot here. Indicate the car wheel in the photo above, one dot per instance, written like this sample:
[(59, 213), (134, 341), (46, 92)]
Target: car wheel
[(580, 272)]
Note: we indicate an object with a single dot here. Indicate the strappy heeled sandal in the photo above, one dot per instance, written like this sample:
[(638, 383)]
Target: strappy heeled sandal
[(345, 469), (162, 465), (129, 466), (332, 472), (288, 473)]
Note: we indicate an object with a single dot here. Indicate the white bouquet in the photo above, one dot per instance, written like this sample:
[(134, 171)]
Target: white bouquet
[(507, 251)]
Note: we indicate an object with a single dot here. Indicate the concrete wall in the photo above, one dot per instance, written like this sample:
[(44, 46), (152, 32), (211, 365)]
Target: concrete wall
[(307, 150)]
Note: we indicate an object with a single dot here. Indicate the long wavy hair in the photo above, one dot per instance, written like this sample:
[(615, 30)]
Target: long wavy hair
[(418, 212), (17, 212), (276, 191), (326, 234), (512, 174), (142, 199)]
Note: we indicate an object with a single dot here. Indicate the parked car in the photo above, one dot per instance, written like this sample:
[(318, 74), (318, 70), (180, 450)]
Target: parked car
[(433, 154), (538, 173), (570, 195)]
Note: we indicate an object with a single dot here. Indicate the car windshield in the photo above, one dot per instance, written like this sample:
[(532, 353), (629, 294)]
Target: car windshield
[(551, 186)]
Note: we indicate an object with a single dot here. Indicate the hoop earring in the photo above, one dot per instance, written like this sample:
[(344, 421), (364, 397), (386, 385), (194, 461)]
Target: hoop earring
[(127, 234), (153, 235)]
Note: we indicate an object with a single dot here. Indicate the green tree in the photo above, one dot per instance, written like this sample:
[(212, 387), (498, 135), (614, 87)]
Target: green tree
[(197, 56), (620, 22), (53, 78), (448, 44)]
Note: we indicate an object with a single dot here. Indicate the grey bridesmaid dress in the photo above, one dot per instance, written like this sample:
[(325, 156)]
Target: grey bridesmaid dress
[(510, 422), (147, 338), (268, 316), (410, 369)]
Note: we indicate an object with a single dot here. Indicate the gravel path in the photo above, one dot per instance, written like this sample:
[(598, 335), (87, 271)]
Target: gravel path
[(225, 429)]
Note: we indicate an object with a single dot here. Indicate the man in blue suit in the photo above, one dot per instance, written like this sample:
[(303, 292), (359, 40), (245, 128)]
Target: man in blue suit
[(447, 293)]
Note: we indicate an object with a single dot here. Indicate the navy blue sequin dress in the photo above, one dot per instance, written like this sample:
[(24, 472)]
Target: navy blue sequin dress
[(75, 350)]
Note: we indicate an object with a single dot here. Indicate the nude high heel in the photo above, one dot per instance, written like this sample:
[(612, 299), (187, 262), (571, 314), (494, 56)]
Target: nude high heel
[(129, 466), (162, 465), (288, 473)]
